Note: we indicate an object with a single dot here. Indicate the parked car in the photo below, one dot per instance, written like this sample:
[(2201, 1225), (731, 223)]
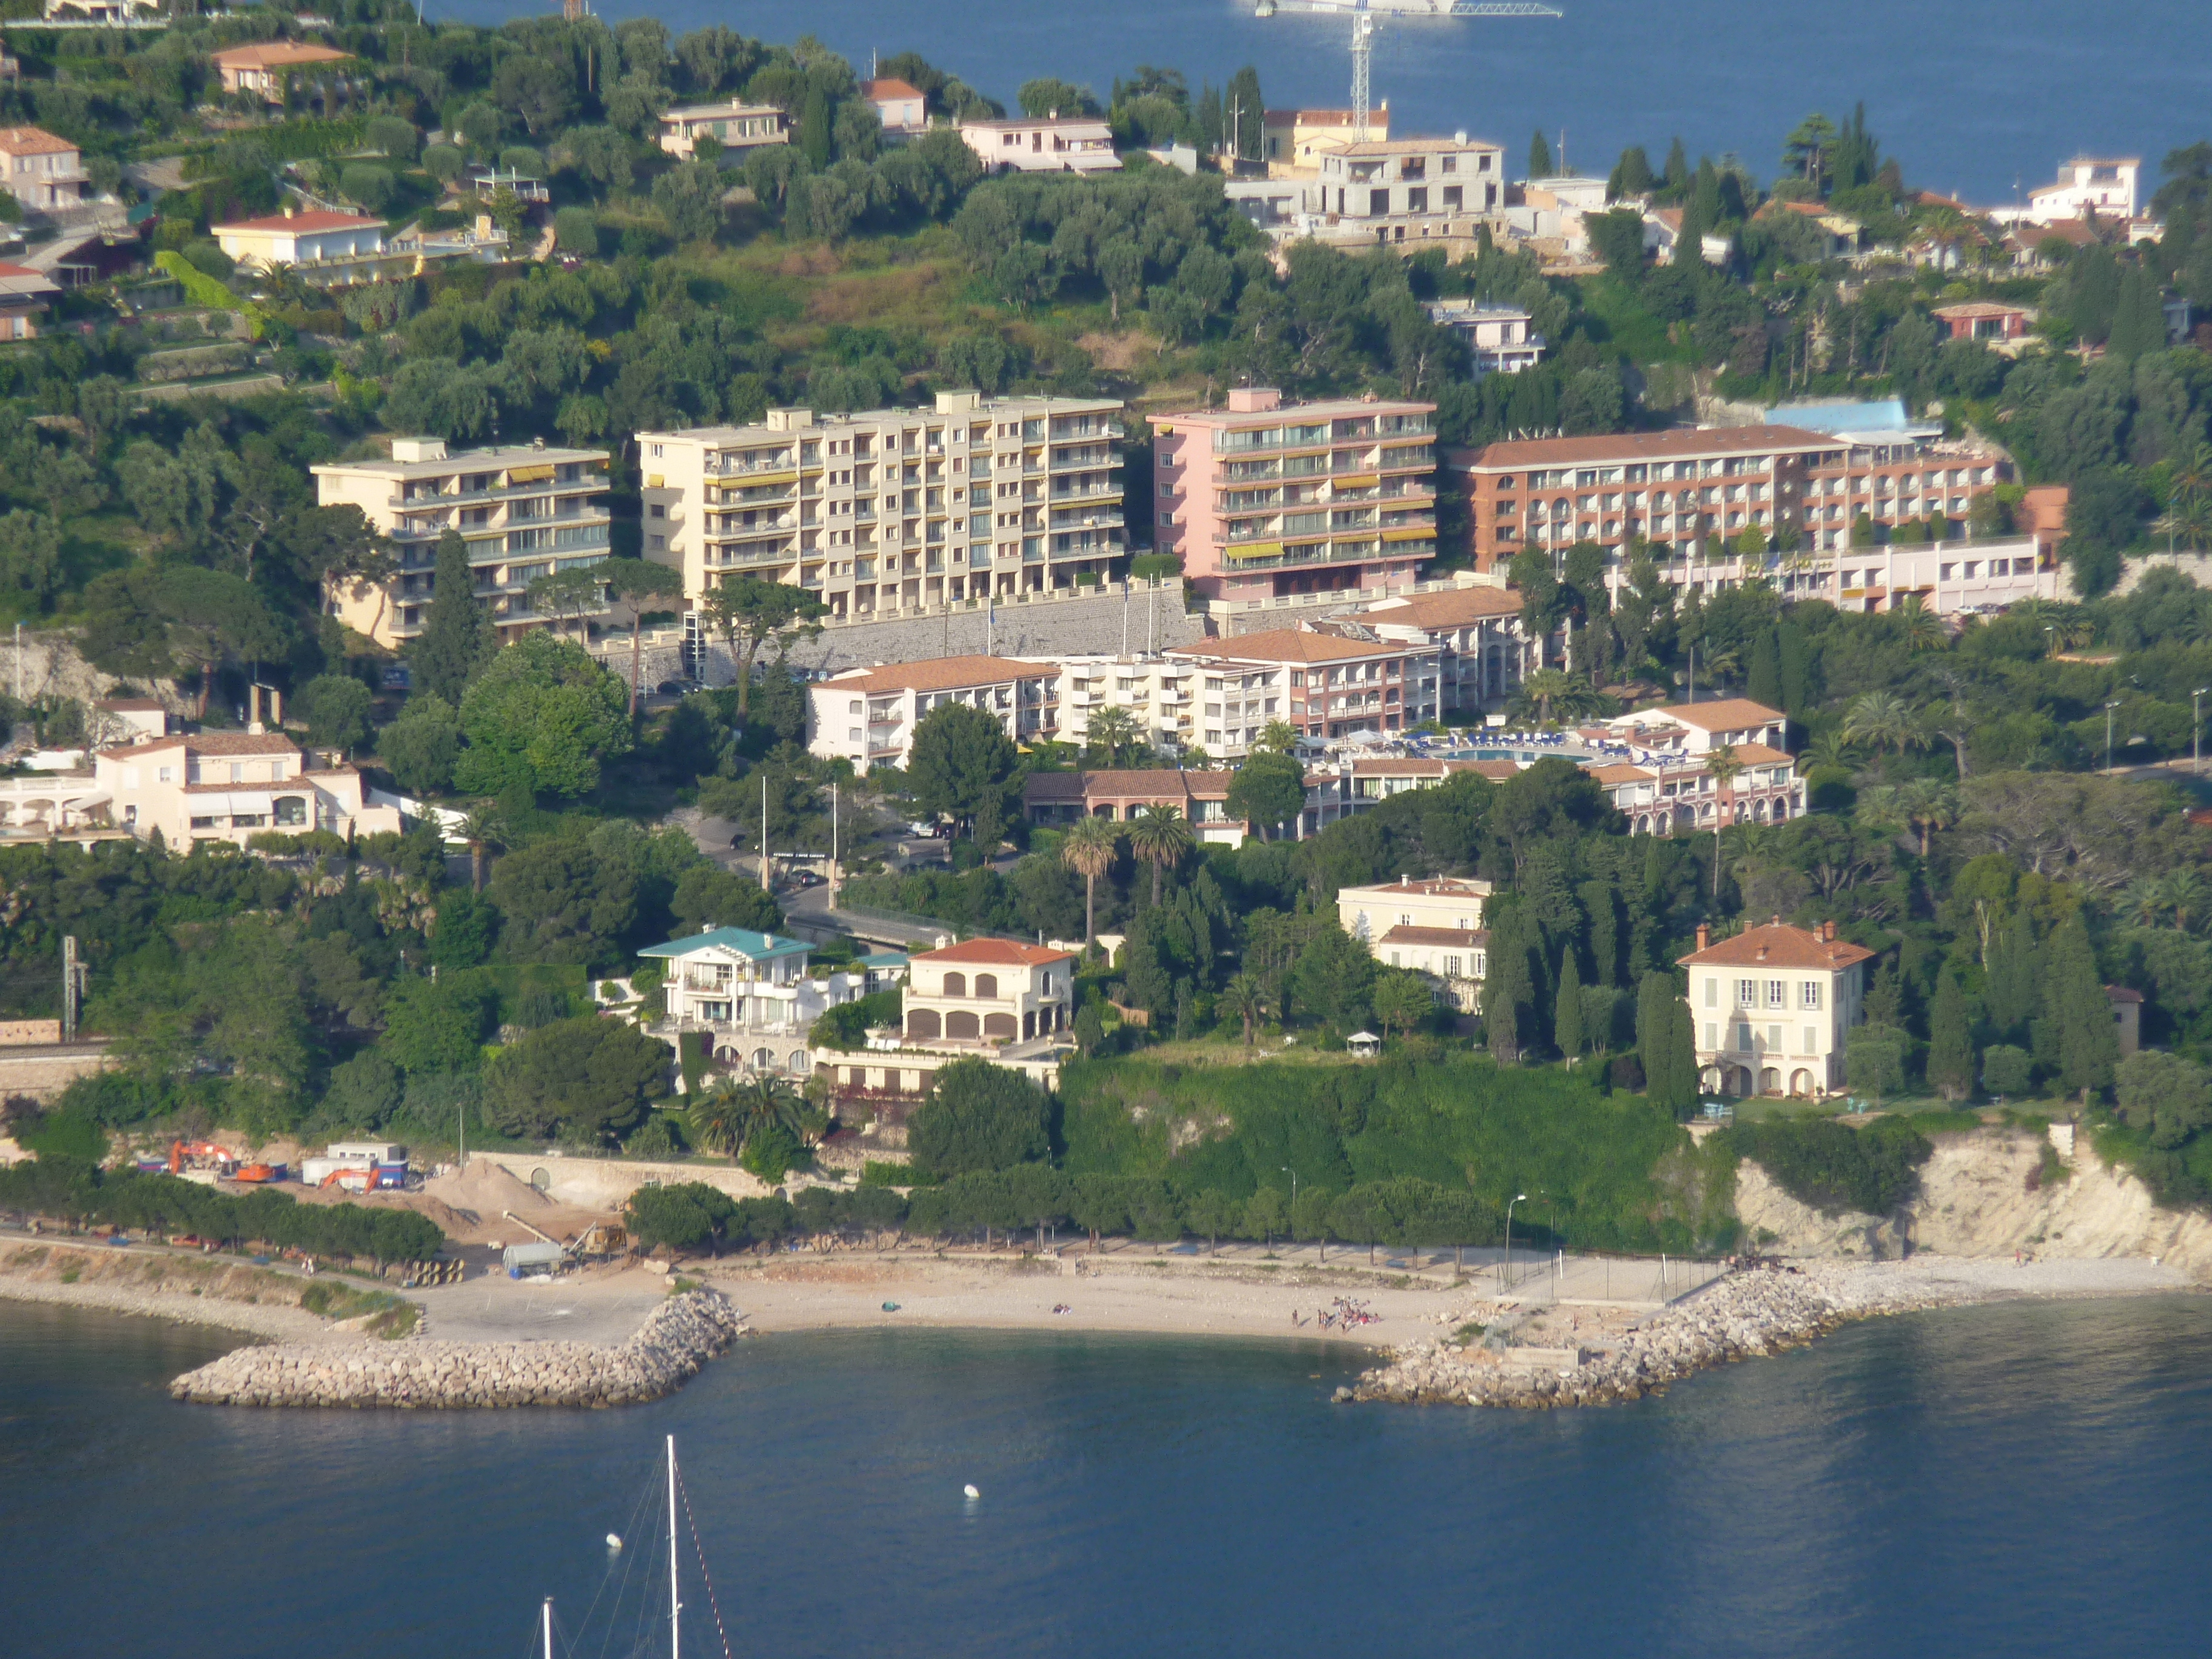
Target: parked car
[(678, 687), (807, 878)]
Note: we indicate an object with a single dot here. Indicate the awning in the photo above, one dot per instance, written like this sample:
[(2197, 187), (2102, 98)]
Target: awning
[(540, 474)]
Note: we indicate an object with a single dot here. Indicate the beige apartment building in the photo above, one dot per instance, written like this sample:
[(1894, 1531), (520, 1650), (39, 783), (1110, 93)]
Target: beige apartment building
[(1393, 192), (893, 510), (1771, 1007), (1325, 685), (524, 511), (1263, 499), (868, 715)]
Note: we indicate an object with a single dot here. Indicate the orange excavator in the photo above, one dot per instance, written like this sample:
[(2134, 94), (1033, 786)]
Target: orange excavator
[(199, 1155), (349, 1181)]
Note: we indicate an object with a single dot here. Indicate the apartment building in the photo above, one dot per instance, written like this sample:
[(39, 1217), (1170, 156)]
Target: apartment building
[(1160, 693), (40, 170), (1483, 651), (988, 992), (1501, 338), (893, 509), (1396, 191), (1771, 1008), (1694, 499), (868, 715), (523, 511), (733, 125), (1667, 786), (1294, 140), (1053, 143), (1263, 499), (1324, 685), (1433, 927), (227, 785), (1056, 799)]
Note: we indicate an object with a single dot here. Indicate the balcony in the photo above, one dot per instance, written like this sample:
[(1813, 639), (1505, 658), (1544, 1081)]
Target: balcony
[(433, 500)]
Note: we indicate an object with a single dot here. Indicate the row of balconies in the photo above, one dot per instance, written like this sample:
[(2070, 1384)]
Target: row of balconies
[(420, 499)]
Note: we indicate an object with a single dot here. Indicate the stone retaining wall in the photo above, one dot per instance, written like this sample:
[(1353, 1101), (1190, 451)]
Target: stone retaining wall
[(675, 1340)]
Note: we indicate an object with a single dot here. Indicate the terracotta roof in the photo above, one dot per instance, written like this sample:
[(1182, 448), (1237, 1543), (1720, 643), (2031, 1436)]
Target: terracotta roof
[(1725, 714), (941, 674), (32, 141), (1399, 769), (277, 54), (1457, 608), (1403, 934), (1778, 946), (2122, 994), (1428, 887), (1642, 446), (1287, 645), (888, 87), (1010, 952), (1760, 754), (1972, 309), (303, 221), (1620, 772), (257, 787), (211, 743)]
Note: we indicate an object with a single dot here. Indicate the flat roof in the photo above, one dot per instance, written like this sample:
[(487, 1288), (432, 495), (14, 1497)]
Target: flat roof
[(461, 460), (1287, 645), (1330, 409), (939, 674), (704, 111), (1641, 446)]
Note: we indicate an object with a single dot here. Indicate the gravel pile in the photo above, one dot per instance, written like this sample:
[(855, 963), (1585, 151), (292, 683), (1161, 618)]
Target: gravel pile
[(675, 1340)]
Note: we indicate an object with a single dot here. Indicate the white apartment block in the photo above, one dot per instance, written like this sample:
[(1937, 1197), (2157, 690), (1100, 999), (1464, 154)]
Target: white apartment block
[(892, 510), (1401, 190), (1433, 927), (1771, 1007), (1482, 650), (523, 511), (1160, 693), (868, 715), (1324, 685), (1053, 143)]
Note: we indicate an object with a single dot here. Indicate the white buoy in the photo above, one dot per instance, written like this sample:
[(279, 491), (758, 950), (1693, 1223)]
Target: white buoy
[(971, 1492), (614, 1541)]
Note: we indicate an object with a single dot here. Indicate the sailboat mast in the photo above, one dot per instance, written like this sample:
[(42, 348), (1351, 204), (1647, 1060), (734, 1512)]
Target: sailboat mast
[(675, 1606), (549, 1627)]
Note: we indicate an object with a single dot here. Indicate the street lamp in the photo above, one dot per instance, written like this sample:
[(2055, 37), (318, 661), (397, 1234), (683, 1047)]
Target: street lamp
[(2108, 734), (1518, 1198), (2196, 731)]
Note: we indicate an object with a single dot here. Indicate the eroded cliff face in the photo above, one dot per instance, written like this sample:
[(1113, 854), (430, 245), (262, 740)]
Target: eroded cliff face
[(1975, 1199)]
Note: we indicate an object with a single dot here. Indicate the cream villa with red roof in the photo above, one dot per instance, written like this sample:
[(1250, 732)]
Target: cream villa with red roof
[(1325, 685), (987, 993), (1667, 785), (40, 170), (1770, 1007), (1432, 925), (266, 66), (900, 105), (293, 238)]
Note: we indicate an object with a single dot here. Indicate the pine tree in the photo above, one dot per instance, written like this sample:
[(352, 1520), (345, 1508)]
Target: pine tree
[(1540, 156), (1763, 684), (1950, 1040), (1885, 1003), (2087, 1045), (455, 639), (1567, 1011)]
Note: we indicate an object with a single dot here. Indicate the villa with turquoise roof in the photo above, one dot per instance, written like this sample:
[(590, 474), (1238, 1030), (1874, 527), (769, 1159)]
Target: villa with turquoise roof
[(751, 993)]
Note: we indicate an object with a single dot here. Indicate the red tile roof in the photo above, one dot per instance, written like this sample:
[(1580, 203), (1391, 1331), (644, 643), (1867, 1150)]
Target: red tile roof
[(1778, 946), (210, 742), (304, 221), (277, 54), (1722, 714), (32, 141), (1405, 934), (887, 88), (1004, 952), (941, 674), (1428, 887), (1453, 610)]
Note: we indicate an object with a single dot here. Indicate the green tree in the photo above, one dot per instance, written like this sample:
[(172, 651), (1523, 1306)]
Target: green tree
[(1509, 990), (1160, 835), (1334, 980), (707, 896), (749, 613), (421, 747), (337, 709), (1244, 999), (456, 639), (978, 1116), (2075, 1002), (1112, 738), (436, 1025), (1268, 793), (1950, 1040), (2166, 1095), (1401, 998), (563, 903), (1088, 849), (1540, 156), (963, 765), (543, 715), (1667, 1042), (590, 1079), (1567, 1016), (1244, 116)]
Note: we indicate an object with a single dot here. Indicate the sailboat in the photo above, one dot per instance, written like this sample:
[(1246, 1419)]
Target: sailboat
[(675, 1581)]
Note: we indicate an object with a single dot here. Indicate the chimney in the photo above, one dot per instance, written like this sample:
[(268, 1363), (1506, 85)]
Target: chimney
[(1776, 921), (1762, 953), (275, 709), (1828, 929), (291, 211), (253, 726), (1704, 936)]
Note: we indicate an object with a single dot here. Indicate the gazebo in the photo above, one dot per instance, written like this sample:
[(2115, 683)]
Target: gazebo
[(1364, 1042)]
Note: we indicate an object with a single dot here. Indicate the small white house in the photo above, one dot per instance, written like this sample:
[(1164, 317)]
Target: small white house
[(293, 238), (733, 125), (750, 993)]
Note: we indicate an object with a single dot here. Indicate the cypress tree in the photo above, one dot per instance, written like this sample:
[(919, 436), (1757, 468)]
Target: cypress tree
[(1508, 992), (1764, 684), (1540, 156), (1567, 1014), (455, 639), (1678, 1090), (2138, 318), (814, 123), (1601, 904), (1950, 1040), (1653, 1032), (1674, 183), (1796, 662), (2009, 991), (2087, 1045)]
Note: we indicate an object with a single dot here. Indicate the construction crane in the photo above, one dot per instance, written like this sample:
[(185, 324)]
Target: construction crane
[(1366, 14)]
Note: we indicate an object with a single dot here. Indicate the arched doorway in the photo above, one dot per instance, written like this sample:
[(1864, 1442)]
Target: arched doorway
[(1000, 1026), (1800, 1084), (1770, 1080), (960, 1026), (923, 1023)]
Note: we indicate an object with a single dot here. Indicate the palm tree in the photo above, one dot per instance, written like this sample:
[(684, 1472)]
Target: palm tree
[(1724, 768), (1088, 849), (2144, 902), (1542, 687), (1884, 719), (1160, 835), (1244, 998), (1922, 627), (1829, 749), (2185, 897), (1277, 738), (1113, 739), (1928, 806), (484, 828), (716, 1118)]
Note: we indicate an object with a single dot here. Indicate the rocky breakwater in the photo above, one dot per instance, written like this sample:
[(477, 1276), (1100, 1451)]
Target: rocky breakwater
[(1749, 1313), (675, 1340)]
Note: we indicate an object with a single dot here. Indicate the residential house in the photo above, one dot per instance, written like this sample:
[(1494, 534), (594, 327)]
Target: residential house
[(1265, 499), (1324, 685), (268, 68), (296, 239), (750, 993), (1059, 799), (1502, 339), (903, 109), (868, 715), (25, 293), (1841, 235), (1667, 785), (2087, 185), (522, 511), (1771, 1008), (1294, 140), (1986, 320), (1483, 651), (733, 125), (1051, 144), (988, 992), (1433, 927), (883, 511), (40, 170), (1399, 191)]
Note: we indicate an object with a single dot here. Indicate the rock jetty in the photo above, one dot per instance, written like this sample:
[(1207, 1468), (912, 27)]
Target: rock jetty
[(1746, 1314), (675, 1340)]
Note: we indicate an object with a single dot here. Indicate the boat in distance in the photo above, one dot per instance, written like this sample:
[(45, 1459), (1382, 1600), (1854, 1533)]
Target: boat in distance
[(1410, 7)]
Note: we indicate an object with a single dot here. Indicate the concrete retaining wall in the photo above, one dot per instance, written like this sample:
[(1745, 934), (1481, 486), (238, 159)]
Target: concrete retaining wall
[(606, 1183), (41, 1073)]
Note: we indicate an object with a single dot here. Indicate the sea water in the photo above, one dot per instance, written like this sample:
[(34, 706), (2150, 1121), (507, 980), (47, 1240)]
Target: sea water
[(2018, 1480), (1984, 97)]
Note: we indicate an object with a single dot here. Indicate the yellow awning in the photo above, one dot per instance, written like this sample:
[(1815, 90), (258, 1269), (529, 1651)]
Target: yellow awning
[(1357, 481), (1419, 532), (1254, 550), (759, 480), (516, 474)]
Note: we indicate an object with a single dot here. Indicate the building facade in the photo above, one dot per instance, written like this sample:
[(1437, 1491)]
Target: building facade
[(1667, 785), (1324, 685), (523, 511), (1771, 1008), (750, 992), (1052, 143), (901, 108), (227, 785), (1433, 927), (987, 994), (267, 67), (2104, 186), (1263, 499), (893, 509), (1396, 191), (1502, 339), (733, 125), (868, 715), (40, 170), (1057, 800), (1294, 140), (1483, 651), (293, 238), (25, 293)]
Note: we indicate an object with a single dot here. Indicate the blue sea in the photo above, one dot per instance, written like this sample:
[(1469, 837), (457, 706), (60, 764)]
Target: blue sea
[(2017, 1480), (1982, 97)]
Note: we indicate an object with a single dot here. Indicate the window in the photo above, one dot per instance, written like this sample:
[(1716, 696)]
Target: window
[(1777, 993), (1746, 994), (1808, 996), (237, 772), (166, 775), (1712, 995), (1712, 1036)]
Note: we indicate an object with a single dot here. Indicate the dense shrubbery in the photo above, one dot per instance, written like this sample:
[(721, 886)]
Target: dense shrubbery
[(71, 1190), (1833, 1169), (844, 1027)]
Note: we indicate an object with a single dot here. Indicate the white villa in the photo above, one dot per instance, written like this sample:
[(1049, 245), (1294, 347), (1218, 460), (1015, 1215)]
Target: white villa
[(750, 993), (1772, 1006), (1433, 925)]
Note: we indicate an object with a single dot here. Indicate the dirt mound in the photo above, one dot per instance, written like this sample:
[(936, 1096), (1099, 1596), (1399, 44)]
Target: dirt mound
[(485, 1190)]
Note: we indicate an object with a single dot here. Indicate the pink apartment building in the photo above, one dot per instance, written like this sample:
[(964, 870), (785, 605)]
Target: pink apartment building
[(1264, 499)]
